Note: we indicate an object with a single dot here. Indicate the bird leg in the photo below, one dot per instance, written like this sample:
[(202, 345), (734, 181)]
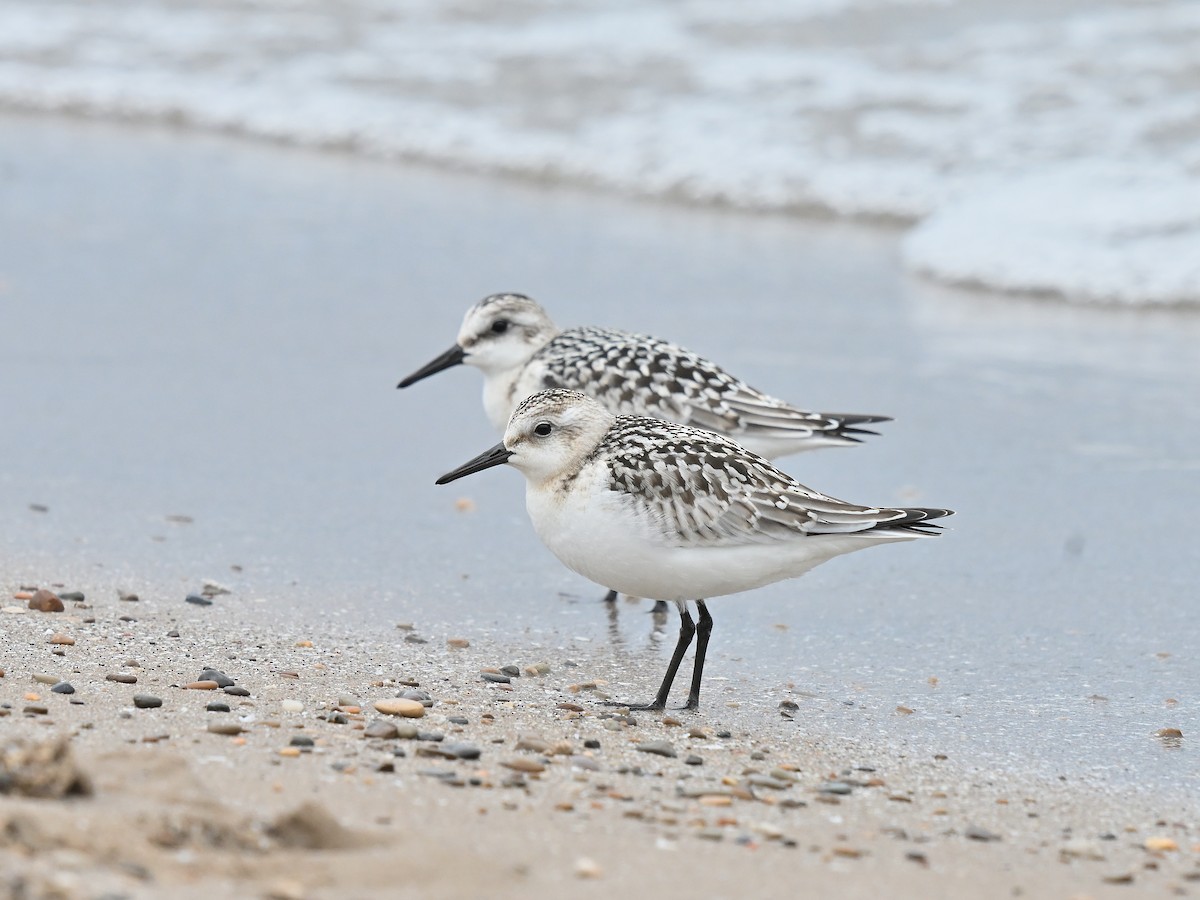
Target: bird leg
[(703, 630), (687, 630), (610, 597)]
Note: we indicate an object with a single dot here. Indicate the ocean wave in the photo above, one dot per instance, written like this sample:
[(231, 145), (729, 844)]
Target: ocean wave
[(904, 109)]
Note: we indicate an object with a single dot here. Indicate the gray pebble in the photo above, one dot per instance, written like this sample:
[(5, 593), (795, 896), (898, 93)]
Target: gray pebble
[(495, 678), (383, 730), (585, 762), (766, 781), (459, 720), (217, 706), (174, 632), (464, 751), (63, 687), (146, 701), (658, 748), (430, 736), (301, 740), (121, 678), (724, 734), (693, 760), (421, 697), (414, 639), (237, 691), (978, 833), (72, 596), (835, 787), (510, 671), (222, 680), (229, 728), (591, 744), (337, 718), (198, 600)]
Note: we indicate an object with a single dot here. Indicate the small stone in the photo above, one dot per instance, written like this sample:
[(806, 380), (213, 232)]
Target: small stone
[(222, 680), (462, 751), (540, 668), (146, 701), (524, 764), (766, 781), (421, 697), (214, 588), (510, 671), (978, 833), (72, 596), (290, 751), (585, 867), (385, 731), (198, 600), (127, 597), (228, 728), (400, 706), (217, 706), (201, 686), (42, 678), (35, 710), (458, 643), (237, 691), (62, 639), (1120, 878), (63, 687), (301, 740), (1161, 844), (495, 677), (173, 633), (430, 736), (46, 601), (658, 748), (693, 760), (303, 645), (835, 787), (292, 706), (458, 720), (591, 744), (533, 744)]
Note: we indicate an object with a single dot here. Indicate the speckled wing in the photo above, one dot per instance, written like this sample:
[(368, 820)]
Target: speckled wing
[(704, 490), (635, 374)]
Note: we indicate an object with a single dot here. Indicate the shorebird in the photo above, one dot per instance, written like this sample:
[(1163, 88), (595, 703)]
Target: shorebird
[(665, 511), (520, 351)]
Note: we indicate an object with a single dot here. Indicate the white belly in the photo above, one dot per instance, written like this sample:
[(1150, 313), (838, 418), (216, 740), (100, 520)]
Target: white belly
[(592, 534)]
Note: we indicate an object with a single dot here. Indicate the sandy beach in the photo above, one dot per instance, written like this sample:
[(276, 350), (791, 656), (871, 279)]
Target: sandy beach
[(204, 338)]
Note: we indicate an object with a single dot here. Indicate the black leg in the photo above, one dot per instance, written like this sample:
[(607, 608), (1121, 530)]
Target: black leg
[(703, 630), (659, 608), (610, 597), (687, 630)]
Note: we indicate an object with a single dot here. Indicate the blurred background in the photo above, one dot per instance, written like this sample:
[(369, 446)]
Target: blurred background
[(1035, 146)]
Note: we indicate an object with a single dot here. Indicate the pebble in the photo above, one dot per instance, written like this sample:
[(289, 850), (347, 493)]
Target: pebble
[(62, 639), (524, 764), (533, 744), (401, 706), (1151, 843), (222, 680), (72, 596), (539, 668), (766, 781), (693, 760), (46, 679), (173, 633), (35, 710), (585, 867), (198, 600), (289, 751), (229, 728), (146, 701), (658, 748), (237, 691), (430, 736), (46, 601), (421, 697), (592, 744), (217, 706), (300, 740), (495, 677), (510, 671), (978, 833), (459, 720), (293, 706), (386, 731), (835, 787), (201, 686), (414, 639), (127, 597), (457, 643), (585, 762), (63, 687)]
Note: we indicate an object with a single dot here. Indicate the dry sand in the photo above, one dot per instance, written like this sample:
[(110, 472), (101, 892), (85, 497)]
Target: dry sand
[(169, 808)]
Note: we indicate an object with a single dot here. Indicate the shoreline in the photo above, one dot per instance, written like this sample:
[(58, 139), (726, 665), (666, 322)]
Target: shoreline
[(543, 808)]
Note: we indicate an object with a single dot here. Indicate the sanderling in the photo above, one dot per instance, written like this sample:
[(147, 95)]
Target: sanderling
[(669, 512), (520, 351)]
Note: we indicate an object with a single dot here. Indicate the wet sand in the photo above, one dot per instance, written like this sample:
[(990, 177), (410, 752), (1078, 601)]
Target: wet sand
[(211, 329)]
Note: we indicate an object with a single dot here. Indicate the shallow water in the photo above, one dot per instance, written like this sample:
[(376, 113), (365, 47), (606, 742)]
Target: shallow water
[(197, 326)]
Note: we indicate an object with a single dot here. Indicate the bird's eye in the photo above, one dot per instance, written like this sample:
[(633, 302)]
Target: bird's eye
[(543, 429), (500, 326)]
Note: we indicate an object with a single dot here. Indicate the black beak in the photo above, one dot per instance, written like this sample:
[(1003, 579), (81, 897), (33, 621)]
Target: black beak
[(451, 357), (497, 456)]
